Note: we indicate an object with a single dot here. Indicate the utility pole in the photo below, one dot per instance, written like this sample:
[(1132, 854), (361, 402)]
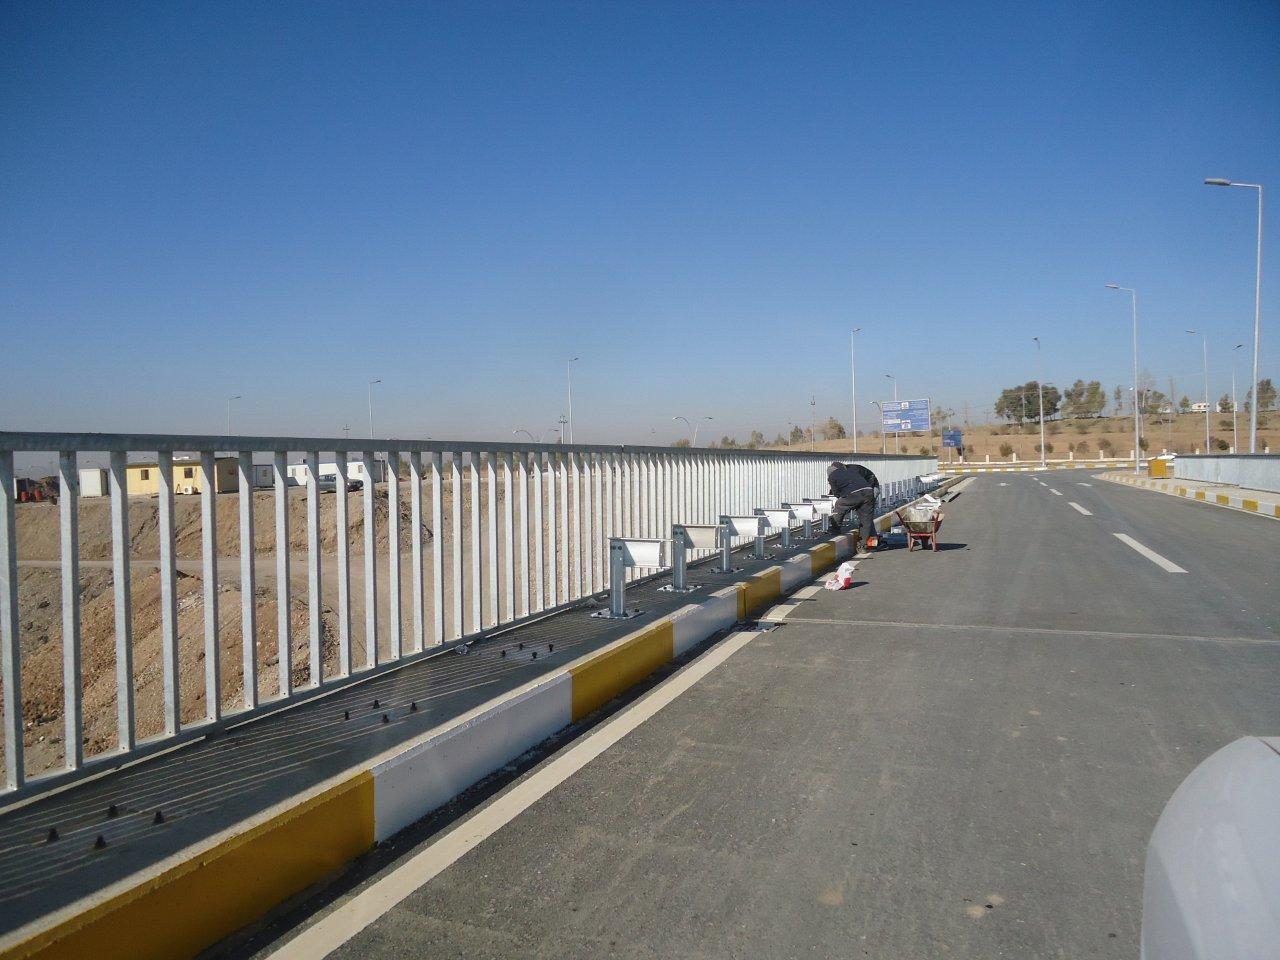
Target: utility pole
[(568, 376), (1040, 388), (1235, 436), (1257, 308), (371, 383), (853, 386), (229, 399), (813, 421)]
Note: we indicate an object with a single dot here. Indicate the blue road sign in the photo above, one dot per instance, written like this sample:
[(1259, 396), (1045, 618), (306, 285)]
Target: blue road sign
[(952, 438), (905, 416)]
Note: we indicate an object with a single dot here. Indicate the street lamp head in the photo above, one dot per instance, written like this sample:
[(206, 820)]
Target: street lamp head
[(1113, 286), (372, 382), (856, 330), (1217, 182), (236, 397), (1191, 331), (1237, 346)]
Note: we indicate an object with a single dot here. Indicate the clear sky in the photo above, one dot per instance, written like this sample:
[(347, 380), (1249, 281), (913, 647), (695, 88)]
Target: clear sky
[(286, 200)]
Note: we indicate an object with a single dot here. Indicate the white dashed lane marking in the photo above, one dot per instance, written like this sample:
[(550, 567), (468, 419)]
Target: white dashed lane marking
[(1162, 562), (1056, 493), (1080, 509)]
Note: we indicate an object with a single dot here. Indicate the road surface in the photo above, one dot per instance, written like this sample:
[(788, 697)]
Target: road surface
[(962, 756)]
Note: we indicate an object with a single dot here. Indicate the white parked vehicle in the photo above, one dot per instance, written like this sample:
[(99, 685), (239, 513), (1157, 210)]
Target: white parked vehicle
[(1212, 886)]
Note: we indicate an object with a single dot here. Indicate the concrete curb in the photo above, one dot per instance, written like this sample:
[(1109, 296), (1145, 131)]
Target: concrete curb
[(1034, 467), (208, 891), (1262, 508)]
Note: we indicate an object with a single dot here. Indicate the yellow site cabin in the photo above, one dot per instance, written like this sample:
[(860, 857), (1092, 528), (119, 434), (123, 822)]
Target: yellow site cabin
[(143, 479)]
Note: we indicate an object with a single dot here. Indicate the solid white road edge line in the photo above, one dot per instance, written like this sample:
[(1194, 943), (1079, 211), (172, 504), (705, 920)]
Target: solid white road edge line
[(335, 929), (1150, 554), (1080, 509)]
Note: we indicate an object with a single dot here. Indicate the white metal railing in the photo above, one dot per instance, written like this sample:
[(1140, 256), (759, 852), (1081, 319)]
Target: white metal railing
[(515, 532)]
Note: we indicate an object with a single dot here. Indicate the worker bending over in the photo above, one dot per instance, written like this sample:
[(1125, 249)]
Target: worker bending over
[(855, 489)]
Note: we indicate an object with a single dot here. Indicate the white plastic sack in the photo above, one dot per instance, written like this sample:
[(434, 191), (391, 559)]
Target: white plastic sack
[(843, 578)]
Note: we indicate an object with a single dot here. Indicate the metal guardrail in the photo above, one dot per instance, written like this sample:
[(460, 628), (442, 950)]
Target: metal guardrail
[(515, 532)]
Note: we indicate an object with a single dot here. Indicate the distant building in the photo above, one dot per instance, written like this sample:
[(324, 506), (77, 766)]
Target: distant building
[(355, 471), (93, 482), (1200, 407), (143, 479)]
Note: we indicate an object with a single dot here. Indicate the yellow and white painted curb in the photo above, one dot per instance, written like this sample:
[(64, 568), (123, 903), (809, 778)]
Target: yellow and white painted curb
[(1031, 467), (1263, 508), (206, 892)]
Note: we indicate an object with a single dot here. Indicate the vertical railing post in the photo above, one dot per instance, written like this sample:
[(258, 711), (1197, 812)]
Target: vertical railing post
[(437, 546), (368, 462), (315, 601), (68, 516), (248, 600), (395, 625), (419, 638), (10, 642), (168, 595), (284, 648), (343, 536), (123, 597), (209, 568)]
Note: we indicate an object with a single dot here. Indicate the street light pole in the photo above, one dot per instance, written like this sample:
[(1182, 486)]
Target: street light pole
[(1235, 434), (371, 383), (1133, 298), (1040, 388), (895, 400), (1257, 308), (687, 426), (568, 376), (695, 429), (229, 399), (531, 437), (853, 386), (813, 421), (1204, 344)]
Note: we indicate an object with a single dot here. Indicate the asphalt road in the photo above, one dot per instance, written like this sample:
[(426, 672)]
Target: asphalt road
[(962, 756)]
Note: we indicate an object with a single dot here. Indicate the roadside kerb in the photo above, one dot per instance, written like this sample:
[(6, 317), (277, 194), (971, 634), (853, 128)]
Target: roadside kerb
[(1174, 488), (207, 891)]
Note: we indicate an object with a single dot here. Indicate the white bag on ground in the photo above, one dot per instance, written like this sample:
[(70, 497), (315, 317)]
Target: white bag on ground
[(843, 577)]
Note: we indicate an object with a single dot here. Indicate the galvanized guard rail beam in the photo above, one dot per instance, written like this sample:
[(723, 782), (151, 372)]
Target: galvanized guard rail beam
[(516, 532)]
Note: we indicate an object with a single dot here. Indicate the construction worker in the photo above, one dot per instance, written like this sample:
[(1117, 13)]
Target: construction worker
[(855, 489)]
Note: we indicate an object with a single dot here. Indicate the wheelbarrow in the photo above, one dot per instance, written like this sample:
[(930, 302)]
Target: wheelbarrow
[(921, 523)]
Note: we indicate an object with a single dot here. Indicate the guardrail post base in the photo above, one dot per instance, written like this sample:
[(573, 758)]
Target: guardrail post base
[(617, 584)]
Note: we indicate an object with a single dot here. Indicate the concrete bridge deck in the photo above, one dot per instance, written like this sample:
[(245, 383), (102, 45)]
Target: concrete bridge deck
[(963, 756)]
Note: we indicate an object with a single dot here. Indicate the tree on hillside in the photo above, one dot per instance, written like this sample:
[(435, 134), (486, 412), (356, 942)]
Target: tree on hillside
[(1083, 399), (682, 442), (1117, 400), (728, 442), (756, 441), (779, 441), (1184, 404), (833, 429), (797, 434), (1266, 396), (1022, 402), (1225, 404)]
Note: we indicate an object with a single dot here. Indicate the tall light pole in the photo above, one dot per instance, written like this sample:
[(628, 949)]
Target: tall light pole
[(346, 431), (813, 421), (371, 383), (1133, 299), (876, 404), (1040, 388), (1204, 344), (546, 431), (1257, 308), (562, 421), (895, 400), (853, 386), (568, 377), (1235, 434), (229, 399)]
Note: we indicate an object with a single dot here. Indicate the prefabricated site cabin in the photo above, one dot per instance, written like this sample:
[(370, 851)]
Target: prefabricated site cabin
[(355, 471), (93, 482), (143, 479)]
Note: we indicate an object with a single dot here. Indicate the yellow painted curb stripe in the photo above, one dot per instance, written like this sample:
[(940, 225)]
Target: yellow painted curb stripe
[(602, 678), (1223, 500), (1199, 494), (763, 588), (194, 904), (824, 556), (1250, 505)]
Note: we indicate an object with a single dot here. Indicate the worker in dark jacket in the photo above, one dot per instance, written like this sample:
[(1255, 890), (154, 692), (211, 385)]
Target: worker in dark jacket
[(855, 489)]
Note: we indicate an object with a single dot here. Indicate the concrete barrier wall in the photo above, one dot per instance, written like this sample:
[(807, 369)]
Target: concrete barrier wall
[(1256, 471)]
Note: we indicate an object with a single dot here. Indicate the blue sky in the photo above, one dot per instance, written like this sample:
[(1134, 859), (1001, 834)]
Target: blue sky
[(699, 200)]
